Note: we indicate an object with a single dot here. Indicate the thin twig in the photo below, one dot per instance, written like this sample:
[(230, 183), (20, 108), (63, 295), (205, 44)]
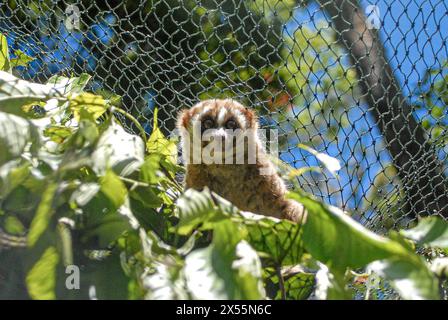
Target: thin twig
[(281, 282), (134, 120)]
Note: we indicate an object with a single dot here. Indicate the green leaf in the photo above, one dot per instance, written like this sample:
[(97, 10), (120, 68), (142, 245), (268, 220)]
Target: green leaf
[(410, 277), (166, 283), (43, 214), (21, 60), (113, 188), (107, 278), (41, 279), (298, 286), (57, 133), (158, 144), (16, 134), (118, 150), (196, 208), (70, 85), (11, 176), (279, 240), (331, 285), (228, 269), (430, 231), (298, 283), (335, 239), (149, 169), (85, 193), (4, 54), (14, 226), (16, 93), (109, 229), (107, 212), (147, 196), (86, 105)]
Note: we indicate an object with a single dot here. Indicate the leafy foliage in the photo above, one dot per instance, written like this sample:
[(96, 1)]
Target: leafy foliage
[(77, 190)]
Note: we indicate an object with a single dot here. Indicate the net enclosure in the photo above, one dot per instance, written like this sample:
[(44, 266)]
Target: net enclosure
[(364, 82)]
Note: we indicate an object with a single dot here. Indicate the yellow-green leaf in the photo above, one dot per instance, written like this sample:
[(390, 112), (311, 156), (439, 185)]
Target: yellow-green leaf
[(22, 59), (88, 104), (158, 143), (14, 226), (113, 188), (41, 279), (44, 212), (5, 64)]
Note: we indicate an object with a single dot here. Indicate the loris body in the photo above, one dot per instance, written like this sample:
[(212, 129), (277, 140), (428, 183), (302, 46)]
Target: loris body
[(249, 182)]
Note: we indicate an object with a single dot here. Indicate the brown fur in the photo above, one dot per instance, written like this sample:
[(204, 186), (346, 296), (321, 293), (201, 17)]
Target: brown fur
[(241, 184)]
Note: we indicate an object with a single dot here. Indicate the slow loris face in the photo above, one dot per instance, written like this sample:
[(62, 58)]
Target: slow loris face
[(222, 151), (219, 132)]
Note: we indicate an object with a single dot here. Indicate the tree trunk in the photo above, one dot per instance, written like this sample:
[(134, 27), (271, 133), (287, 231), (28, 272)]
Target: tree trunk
[(419, 169)]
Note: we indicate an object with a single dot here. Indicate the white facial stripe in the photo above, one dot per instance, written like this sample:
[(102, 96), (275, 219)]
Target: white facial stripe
[(241, 119), (221, 116), (202, 113)]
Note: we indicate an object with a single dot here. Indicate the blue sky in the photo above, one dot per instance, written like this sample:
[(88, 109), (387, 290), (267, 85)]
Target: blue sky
[(414, 35)]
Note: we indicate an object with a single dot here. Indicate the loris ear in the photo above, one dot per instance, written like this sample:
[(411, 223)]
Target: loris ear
[(251, 117), (183, 118)]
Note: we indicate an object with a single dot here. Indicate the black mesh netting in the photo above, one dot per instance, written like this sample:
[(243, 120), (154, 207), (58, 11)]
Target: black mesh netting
[(365, 82)]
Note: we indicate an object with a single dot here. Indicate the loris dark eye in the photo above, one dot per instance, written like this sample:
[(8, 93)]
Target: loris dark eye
[(231, 124), (208, 124)]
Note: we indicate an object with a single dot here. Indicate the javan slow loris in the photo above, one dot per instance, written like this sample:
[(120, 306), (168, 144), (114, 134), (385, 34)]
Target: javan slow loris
[(236, 166)]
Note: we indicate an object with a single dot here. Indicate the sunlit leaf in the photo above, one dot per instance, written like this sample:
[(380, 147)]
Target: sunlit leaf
[(335, 239), (88, 103), (21, 59), (118, 150), (328, 230), (228, 269), (410, 277), (430, 231), (196, 208), (41, 279), (58, 134), (16, 93), (330, 285), (159, 144), (16, 134), (166, 283), (85, 193), (113, 188), (70, 85), (43, 215), (4, 54), (332, 164), (12, 175), (298, 286), (14, 226)]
